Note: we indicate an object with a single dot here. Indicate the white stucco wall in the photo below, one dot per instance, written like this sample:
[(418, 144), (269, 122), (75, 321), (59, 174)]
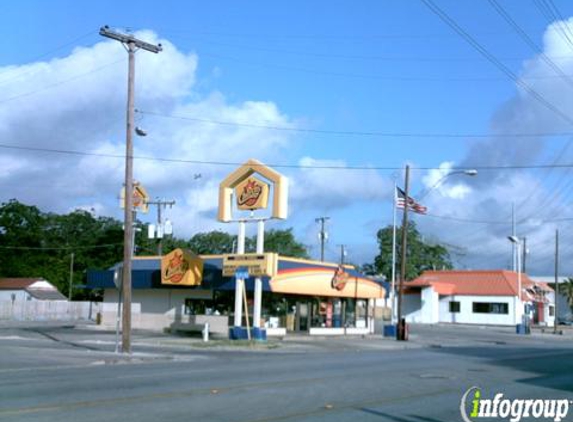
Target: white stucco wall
[(156, 309), (466, 314), (412, 308), (19, 295)]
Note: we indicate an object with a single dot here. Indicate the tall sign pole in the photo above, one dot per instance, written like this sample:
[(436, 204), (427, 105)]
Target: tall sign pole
[(131, 44), (322, 235), (401, 331), (556, 294)]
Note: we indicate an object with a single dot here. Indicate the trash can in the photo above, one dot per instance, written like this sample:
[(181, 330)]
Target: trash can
[(390, 330)]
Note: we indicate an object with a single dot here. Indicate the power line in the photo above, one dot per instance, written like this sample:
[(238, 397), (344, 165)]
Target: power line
[(279, 165), (60, 248), (56, 84), (365, 76), (490, 57), (361, 57), (36, 58), (351, 132), (530, 43)]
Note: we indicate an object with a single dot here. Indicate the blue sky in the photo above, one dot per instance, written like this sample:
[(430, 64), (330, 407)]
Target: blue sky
[(333, 71)]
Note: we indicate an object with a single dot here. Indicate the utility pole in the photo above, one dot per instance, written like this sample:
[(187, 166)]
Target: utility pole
[(160, 203), (342, 253), (131, 44), (524, 256), (401, 331), (322, 235), (71, 277), (556, 294)]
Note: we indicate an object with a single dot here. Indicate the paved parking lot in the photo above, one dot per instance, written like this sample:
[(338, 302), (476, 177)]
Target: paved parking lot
[(69, 372)]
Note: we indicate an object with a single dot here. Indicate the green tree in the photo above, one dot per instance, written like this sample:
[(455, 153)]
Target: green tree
[(213, 243), (566, 289), (37, 244), (421, 255), (284, 243)]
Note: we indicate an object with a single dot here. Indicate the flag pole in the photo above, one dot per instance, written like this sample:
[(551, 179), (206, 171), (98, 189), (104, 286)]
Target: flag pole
[(401, 331), (393, 281)]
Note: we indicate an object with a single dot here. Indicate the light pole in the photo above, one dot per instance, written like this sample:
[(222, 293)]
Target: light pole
[(423, 194), (519, 305), (467, 172)]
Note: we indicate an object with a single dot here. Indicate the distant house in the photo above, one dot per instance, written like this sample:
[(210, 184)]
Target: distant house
[(477, 297), (28, 289)]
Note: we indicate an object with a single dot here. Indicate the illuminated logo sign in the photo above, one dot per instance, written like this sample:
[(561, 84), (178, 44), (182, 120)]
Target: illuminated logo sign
[(340, 278), (140, 198), (181, 267), (252, 194)]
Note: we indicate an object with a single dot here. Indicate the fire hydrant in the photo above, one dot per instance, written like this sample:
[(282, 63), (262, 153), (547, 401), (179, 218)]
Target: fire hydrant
[(206, 332)]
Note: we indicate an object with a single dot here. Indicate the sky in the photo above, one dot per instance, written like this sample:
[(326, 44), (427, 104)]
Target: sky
[(337, 96)]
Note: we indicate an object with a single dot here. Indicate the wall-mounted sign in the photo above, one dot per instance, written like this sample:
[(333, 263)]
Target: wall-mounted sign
[(243, 174), (257, 265), (252, 194), (140, 198), (181, 267), (340, 278)]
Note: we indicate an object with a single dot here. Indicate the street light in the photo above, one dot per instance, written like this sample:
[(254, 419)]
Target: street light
[(467, 172), (519, 306)]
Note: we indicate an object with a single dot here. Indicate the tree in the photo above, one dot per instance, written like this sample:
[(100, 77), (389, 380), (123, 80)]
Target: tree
[(37, 244), (212, 243), (566, 289), (284, 243), (421, 255)]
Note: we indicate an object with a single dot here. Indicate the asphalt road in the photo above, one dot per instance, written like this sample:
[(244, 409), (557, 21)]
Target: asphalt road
[(54, 373)]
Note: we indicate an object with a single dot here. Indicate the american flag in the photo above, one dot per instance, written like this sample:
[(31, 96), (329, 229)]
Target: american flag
[(412, 204)]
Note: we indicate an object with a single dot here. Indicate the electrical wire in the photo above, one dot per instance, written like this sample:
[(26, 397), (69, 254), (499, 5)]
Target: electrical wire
[(59, 83), (491, 58), (48, 53), (278, 165), (351, 132)]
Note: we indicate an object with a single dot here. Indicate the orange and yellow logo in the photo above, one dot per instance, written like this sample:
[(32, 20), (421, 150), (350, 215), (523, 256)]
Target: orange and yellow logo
[(181, 267), (252, 194), (340, 278)]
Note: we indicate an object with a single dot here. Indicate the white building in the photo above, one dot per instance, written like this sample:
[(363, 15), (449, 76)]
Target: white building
[(28, 289), (563, 308), (477, 297)]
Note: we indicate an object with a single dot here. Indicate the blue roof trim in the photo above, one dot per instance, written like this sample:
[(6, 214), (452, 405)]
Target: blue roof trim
[(146, 274)]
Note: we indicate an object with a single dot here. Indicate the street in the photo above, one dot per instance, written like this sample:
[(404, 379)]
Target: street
[(67, 373)]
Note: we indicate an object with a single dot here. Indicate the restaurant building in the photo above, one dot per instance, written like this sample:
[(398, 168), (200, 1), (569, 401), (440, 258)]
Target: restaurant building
[(307, 296)]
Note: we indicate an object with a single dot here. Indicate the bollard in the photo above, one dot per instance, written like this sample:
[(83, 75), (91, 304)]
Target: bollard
[(206, 332)]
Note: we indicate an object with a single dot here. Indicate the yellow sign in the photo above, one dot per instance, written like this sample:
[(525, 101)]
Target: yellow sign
[(181, 267), (140, 198), (232, 182), (340, 278), (252, 194), (258, 265)]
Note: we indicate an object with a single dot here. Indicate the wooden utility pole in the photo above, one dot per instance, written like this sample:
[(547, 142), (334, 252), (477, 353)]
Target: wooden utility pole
[(131, 44), (322, 235), (401, 331), (556, 294), (71, 276)]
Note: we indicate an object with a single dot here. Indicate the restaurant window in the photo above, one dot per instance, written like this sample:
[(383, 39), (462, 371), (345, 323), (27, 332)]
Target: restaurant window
[(490, 308), (454, 306)]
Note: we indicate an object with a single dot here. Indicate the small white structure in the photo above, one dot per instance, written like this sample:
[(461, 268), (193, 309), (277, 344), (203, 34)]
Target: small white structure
[(27, 289), (477, 297)]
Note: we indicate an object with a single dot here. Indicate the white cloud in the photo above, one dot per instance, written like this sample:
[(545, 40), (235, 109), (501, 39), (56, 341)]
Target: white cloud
[(77, 103), (322, 188)]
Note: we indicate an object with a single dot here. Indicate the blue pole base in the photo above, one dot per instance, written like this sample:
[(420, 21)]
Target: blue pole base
[(238, 333), (259, 334)]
